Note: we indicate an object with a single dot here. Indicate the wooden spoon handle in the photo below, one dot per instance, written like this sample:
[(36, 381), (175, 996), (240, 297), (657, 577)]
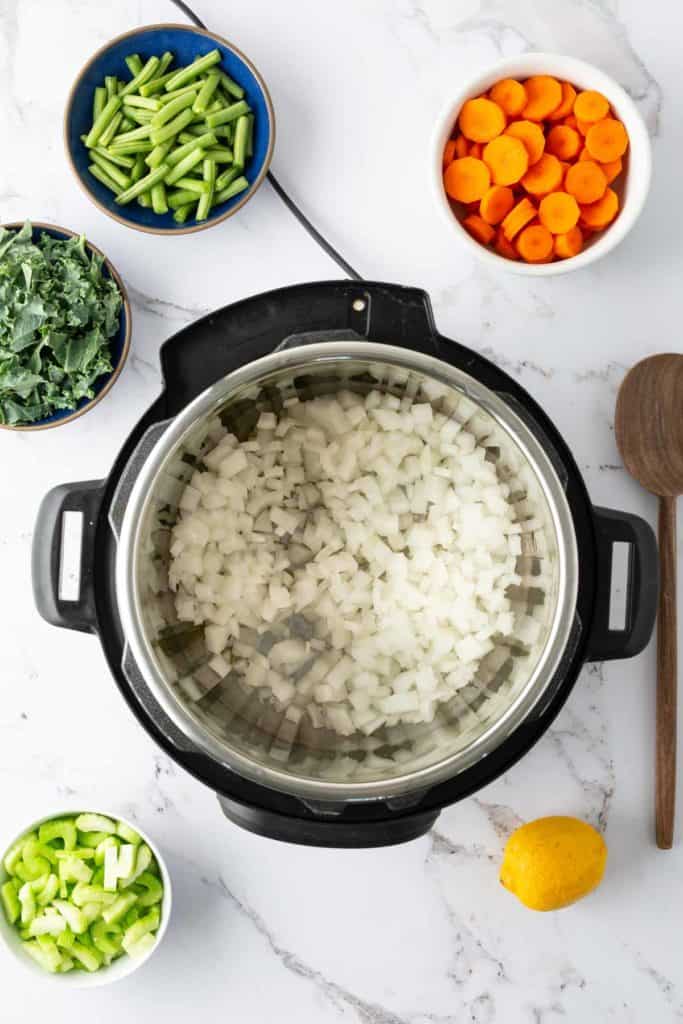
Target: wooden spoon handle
[(665, 798)]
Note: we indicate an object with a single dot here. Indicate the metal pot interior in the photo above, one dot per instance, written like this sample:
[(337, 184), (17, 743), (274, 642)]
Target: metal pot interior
[(248, 731)]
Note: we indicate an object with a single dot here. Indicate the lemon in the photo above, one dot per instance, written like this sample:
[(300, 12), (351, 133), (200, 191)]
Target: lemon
[(552, 862)]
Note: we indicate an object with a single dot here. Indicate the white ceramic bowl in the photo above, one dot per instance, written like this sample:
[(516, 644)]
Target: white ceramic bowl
[(120, 968), (632, 186)]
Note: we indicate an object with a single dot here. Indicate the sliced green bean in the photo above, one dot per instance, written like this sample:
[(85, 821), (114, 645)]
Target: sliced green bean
[(227, 177), (111, 84), (196, 129), (231, 87), (165, 62), (126, 124), (160, 135), (158, 193), (169, 110), (120, 161), (181, 198), (121, 149), (185, 75), (108, 111), (237, 186), (194, 185), (102, 176), (206, 200), (142, 101), (221, 154), (182, 213), (230, 113), (185, 165), (158, 154), (225, 131), (138, 169), (206, 92), (250, 135), (241, 133), (139, 116), (99, 98), (143, 185), (111, 129), (142, 76), (185, 90), (144, 200), (134, 64), (156, 85), (114, 172), (143, 132), (215, 105), (200, 142)]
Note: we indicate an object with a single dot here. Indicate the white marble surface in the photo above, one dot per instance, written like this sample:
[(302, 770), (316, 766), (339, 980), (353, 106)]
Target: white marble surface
[(420, 933)]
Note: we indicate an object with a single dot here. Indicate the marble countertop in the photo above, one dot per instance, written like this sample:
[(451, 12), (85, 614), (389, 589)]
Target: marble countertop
[(419, 933)]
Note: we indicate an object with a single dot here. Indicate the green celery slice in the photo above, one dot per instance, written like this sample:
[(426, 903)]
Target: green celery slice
[(90, 959), (74, 917), (47, 923), (47, 892), (73, 869), (126, 860), (28, 903), (107, 937), (49, 958), (111, 868), (142, 946), (95, 823), (107, 843), (84, 893), (151, 888), (142, 862), (113, 913), (66, 939), (10, 902), (148, 923), (61, 828), (91, 912)]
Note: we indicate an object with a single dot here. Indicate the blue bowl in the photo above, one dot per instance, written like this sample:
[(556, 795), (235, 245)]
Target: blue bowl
[(119, 345), (186, 43)]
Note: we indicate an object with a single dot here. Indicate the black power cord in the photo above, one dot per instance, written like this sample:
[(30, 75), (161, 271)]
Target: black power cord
[(279, 190)]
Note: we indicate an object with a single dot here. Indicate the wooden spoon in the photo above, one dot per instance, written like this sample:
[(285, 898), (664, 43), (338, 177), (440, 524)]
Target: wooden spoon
[(649, 432)]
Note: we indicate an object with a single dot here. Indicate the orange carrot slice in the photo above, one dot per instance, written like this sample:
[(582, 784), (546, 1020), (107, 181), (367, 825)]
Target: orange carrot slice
[(507, 159), (448, 153), (505, 248), (510, 95), (569, 244), (462, 146), (535, 244), (601, 213), (481, 120), (612, 169), (466, 179), (497, 203), (570, 121), (476, 149), (591, 106), (567, 103), (563, 142), (544, 95), (478, 228), (586, 181), (583, 126), (607, 140), (545, 175), (518, 216), (531, 135), (558, 212)]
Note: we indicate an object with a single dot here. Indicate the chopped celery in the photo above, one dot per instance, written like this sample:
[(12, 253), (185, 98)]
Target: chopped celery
[(13, 855), (34, 848), (148, 923), (126, 861), (62, 828), (66, 965), (28, 903), (142, 863), (95, 823), (66, 939), (84, 893), (130, 917), (149, 889), (48, 923), (111, 868), (47, 892), (30, 868), (107, 843), (82, 852), (10, 902), (114, 913), (91, 911), (92, 839), (90, 959), (107, 937), (74, 917), (142, 946), (73, 869), (48, 957)]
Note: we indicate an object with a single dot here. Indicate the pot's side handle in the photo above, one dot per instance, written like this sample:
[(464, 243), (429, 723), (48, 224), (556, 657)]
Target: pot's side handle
[(642, 585), (46, 557)]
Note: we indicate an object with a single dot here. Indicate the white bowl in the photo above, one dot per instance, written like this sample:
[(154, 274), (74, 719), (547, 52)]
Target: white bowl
[(633, 189), (120, 968)]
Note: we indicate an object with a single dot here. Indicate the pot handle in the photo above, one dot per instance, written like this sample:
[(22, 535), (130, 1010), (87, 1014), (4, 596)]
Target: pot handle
[(331, 831), (642, 585), (46, 556)]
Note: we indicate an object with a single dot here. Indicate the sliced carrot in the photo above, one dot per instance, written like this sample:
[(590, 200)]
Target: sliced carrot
[(545, 175), (567, 104), (507, 159), (565, 167), (583, 126), (518, 216), (466, 179), (586, 181), (607, 140), (510, 95), (558, 212), (476, 149), (478, 228), (601, 213), (591, 106), (570, 121), (563, 142), (504, 247), (461, 146), (496, 204), (612, 169), (544, 95), (531, 135), (584, 155), (535, 244), (481, 120), (569, 244), (448, 153)]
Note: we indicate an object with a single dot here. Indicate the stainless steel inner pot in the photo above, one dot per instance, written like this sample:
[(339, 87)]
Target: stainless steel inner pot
[(233, 723)]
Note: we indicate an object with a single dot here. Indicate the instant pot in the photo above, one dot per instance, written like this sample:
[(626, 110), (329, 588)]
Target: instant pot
[(274, 770)]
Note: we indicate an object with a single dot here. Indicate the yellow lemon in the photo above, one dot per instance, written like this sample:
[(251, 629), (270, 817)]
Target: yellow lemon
[(552, 862)]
